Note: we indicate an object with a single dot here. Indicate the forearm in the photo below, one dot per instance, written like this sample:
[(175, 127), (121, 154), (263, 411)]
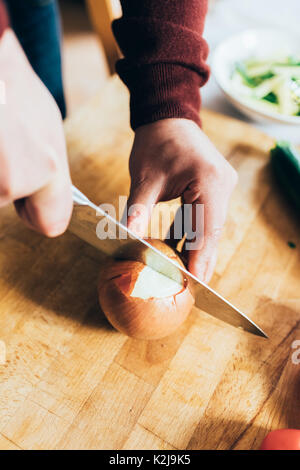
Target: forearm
[(164, 57)]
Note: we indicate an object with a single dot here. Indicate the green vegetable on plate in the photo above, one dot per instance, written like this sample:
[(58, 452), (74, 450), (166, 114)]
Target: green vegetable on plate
[(269, 85)]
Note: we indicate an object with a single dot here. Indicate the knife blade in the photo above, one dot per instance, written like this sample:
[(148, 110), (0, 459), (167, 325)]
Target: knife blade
[(85, 218)]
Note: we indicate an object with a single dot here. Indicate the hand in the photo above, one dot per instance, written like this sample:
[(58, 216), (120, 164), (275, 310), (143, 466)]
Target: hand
[(171, 158), (34, 170)]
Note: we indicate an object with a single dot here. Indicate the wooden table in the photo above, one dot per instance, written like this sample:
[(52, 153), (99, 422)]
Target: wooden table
[(70, 381)]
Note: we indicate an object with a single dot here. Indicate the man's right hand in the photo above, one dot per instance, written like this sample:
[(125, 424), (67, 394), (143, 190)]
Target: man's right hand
[(34, 170)]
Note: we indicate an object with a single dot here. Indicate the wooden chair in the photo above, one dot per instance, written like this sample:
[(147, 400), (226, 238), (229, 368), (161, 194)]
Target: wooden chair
[(102, 13)]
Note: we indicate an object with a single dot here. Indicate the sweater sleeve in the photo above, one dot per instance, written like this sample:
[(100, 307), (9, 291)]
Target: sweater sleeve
[(3, 18), (164, 58)]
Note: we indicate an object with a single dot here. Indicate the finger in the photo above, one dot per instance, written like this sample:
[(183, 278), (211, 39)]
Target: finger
[(21, 208), (176, 230), (202, 253), (22, 179), (140, 204), (48, 210), (210, 267)]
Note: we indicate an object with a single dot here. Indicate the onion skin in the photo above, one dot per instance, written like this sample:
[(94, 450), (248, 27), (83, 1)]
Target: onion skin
[(282, 439), (148, 319)]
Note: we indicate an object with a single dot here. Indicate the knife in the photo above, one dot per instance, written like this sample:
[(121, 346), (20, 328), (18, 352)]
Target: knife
[(85, 218)]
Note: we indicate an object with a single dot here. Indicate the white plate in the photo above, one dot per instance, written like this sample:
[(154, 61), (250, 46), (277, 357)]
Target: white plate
[(261, 44)]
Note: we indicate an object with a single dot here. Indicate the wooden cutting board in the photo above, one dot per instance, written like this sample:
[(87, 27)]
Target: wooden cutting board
[(71, 382)]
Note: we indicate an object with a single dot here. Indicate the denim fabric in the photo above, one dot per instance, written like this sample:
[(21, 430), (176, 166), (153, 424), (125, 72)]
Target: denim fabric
[(37, 26)]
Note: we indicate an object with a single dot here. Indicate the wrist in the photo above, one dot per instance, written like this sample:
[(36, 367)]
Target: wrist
[(14, 65), (162, 91), (169, 126)]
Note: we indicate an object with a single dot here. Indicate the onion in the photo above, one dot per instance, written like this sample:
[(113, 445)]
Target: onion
[(139, 301)]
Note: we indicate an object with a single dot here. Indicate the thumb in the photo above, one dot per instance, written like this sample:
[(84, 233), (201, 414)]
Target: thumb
[(140, 204)]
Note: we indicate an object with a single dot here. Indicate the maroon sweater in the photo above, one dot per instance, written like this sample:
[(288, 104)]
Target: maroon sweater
[(3, 18), (164, 57)]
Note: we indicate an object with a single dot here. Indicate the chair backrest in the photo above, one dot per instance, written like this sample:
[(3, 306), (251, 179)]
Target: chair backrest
[(102, 13)]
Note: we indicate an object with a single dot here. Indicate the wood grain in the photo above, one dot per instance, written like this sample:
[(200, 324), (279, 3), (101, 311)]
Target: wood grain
[(70, 381)]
